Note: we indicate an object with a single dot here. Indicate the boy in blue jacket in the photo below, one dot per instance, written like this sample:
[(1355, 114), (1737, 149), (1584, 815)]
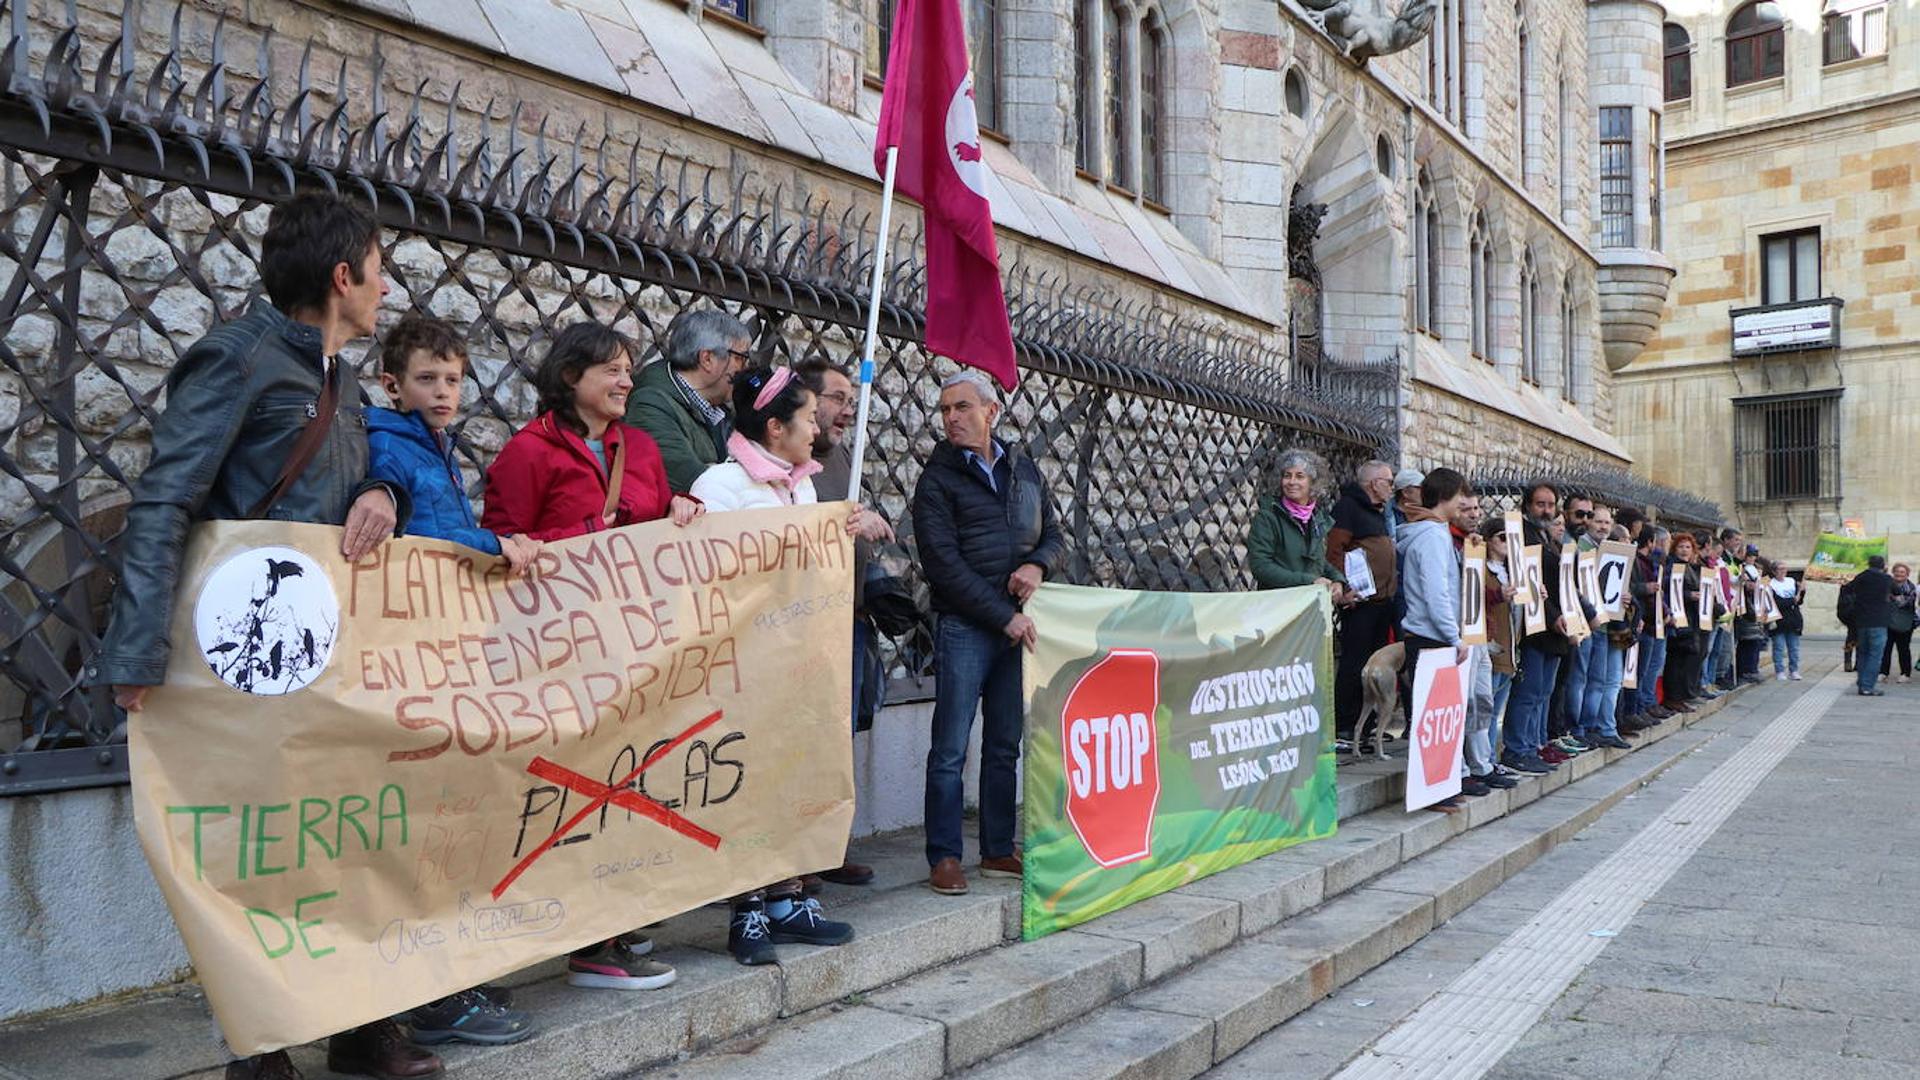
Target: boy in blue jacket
[(422, 366)]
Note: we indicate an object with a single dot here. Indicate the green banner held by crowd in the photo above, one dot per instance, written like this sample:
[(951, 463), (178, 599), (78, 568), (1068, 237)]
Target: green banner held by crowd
[(1837, 558), (1170, 736)]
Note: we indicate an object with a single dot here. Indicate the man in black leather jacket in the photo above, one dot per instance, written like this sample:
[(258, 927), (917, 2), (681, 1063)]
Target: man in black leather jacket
[(237, 402), (986, 535)]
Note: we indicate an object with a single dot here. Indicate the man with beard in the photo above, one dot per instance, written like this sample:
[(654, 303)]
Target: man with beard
[(1360, 524)]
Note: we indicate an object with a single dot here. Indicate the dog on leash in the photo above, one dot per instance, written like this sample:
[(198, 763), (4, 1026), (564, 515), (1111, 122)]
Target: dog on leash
[(1380, 699)]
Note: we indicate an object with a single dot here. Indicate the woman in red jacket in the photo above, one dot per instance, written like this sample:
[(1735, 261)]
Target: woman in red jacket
[(553, 478), (578, 469)]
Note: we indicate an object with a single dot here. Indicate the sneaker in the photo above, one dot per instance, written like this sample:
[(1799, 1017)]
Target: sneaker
[(1500, 780), (1553, 755), (1573, 744), (1474, 786), (1614, 741), (1794, 675), (469, 1017), (633, 945), (1531, 765), (611, 966), (799, 922), (1780, 676), (1875, 692), (1903, 678), (750, 936)]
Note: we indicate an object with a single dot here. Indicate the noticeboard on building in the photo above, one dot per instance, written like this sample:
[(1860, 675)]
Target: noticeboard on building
[(1806, 324)]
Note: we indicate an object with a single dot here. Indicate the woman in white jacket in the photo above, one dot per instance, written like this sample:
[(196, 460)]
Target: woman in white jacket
[(770, 464)]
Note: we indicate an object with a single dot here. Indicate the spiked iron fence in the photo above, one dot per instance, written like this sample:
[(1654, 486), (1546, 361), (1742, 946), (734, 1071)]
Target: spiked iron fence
[(136, 192)]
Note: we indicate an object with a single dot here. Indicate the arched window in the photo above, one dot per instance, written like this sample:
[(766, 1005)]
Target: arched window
[(1480, 274), (1529, 320), (1119, 102), (1525, 120), (983, 36), (1153, 52), (1426, 255), (1085, 91), (1756, 44), (1679, 63), (1569, 370)]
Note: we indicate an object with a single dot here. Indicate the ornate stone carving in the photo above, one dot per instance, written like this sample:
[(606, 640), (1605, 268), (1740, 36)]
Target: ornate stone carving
[(1369, 28), (1303, 227)]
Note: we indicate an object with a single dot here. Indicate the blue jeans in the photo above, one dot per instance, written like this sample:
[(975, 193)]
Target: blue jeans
[(977, 668), (1653, 662), (869, 676), (1573, 687), (1870, 643), (1532, 693), (1502, 690), (1604, 671), (1786, 652), (1719, 663)]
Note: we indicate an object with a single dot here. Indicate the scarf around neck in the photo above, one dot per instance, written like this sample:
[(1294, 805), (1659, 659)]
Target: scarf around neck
[(1301, 512), (763, 468)]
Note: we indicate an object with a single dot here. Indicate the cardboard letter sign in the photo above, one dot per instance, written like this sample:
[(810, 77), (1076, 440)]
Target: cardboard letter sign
[(1535, 606), (1630, 667), (1616, 566), (1523, 587), (1473, 592), (1677, 595), (1570, 596), (1440, 723)]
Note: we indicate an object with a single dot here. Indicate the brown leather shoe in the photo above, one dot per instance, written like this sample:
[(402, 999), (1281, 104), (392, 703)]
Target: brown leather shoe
[(1002, 866), (849, 873), (812, 884), (274, 1066), (380, 1049), (947, 878)]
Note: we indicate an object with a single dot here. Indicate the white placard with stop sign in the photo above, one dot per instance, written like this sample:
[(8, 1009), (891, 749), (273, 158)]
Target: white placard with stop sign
[(1438, 728)]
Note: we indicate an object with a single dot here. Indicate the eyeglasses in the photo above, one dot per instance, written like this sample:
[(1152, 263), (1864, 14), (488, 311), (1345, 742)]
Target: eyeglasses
[(1581, 515), (740, 355), (838, 397)]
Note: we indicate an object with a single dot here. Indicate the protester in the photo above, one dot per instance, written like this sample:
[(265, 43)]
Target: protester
[(1287, 543), (769, 465), (423, 363), (1541, 654), (1900, 624), (833, 450), (243, 403), (577, 469), (984, 526), (1606, 650), (1476, 746), (681, 400), (1749, 636), (1686, 639), (1501, 632), (1786, 629), (1430, 584), (1406, 496), (1872, 591), (1360, 525), (1648, 588)]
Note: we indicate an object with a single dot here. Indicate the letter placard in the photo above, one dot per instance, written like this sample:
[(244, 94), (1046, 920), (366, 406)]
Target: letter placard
[(1473, 592), (1535, 607), (1570, 596), (1615, 567), (1677, 595), (1525, 589), (373, 785)]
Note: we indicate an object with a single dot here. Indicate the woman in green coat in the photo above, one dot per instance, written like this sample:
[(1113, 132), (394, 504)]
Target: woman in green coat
[(1287, 546)]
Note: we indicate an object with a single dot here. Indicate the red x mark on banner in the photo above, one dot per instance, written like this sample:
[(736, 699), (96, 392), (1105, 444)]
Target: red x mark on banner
[(600, 794)]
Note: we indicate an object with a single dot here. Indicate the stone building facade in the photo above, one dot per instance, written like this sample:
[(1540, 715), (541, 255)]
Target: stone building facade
[(1793, 151)]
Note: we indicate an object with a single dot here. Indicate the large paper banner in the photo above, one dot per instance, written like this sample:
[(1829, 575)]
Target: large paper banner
[(1677, 595), (1439, 725), (1473, 592), (364, 787), (1535, 606), (1570, 596), (1170, 736), (1524, 591), (1615, 567)]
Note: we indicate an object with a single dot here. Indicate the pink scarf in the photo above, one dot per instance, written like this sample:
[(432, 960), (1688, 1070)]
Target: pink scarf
[(1302, 512), (763, 468)]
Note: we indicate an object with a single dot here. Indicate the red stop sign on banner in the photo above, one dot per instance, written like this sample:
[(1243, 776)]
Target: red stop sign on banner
[(1108, 740), (1441, 724)]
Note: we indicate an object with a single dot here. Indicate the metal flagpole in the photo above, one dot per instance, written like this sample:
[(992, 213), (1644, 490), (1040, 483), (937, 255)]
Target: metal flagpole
[(873, 327)]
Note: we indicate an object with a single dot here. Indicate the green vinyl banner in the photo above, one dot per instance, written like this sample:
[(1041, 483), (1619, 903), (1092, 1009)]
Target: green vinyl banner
[(1170, 736), (1838, 558)]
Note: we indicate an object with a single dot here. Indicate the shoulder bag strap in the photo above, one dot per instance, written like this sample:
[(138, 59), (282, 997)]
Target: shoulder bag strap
[(306, 446), (616, 471)]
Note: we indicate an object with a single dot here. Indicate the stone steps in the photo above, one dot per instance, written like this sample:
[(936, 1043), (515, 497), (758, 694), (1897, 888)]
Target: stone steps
[(934, 985)]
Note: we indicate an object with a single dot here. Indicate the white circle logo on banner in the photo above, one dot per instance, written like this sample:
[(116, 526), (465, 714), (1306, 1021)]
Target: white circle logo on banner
[(266, 621)]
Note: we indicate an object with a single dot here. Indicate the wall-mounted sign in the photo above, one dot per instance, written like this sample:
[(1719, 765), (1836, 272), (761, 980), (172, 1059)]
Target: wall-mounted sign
[(1813, 324)]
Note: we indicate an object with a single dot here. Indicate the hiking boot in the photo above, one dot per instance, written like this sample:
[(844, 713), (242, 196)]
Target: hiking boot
[(749, 937), (379, 1049), (468, 1016), (946, 877), (802, 924), (1001, 866), (614, 965), (274, 1066)]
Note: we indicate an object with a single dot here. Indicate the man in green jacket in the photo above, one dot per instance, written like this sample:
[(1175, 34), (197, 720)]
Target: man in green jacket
[(681, 400)]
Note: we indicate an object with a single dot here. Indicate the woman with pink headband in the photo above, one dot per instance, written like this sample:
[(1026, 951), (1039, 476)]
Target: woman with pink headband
[(770, 464)]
